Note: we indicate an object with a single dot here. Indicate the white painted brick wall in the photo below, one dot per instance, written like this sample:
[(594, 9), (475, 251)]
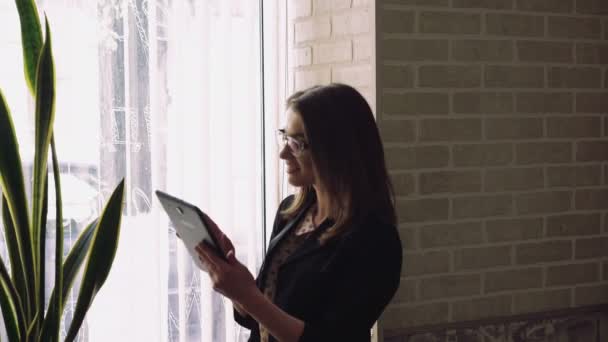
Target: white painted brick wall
[(331, 41)]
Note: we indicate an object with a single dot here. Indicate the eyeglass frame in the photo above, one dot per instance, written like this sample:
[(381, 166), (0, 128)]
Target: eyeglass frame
[(285, 140)]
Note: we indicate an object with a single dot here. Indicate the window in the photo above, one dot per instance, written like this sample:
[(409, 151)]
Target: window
[(166, 93)]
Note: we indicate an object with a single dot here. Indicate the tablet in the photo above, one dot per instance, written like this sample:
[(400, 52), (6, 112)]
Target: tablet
[(190, 225)]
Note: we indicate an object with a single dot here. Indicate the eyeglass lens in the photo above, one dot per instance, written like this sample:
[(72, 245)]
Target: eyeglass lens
[(294, 145)]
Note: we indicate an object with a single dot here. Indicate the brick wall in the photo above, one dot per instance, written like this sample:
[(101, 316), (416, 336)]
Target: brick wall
[(493, 114), (332, 41)]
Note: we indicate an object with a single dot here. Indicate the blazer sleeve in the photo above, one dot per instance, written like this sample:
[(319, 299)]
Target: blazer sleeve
[(247, 321), (362, 285)]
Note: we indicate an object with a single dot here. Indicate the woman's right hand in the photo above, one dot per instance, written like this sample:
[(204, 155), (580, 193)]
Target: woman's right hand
[(226, 246)]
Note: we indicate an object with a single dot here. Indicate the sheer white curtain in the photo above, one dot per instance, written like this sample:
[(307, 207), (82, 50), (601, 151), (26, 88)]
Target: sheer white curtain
[(167, 94)]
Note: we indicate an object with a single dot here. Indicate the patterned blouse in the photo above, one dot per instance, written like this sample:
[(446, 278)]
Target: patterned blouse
[(290, 244)]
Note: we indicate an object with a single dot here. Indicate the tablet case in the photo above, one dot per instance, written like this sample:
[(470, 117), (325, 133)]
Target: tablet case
[(189, 223)]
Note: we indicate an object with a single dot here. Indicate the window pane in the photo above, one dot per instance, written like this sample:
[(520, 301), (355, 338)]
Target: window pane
[(167, 94)]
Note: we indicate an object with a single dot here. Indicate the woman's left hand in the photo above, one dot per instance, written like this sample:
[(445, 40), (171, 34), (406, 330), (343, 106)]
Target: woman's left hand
[(230, 278)]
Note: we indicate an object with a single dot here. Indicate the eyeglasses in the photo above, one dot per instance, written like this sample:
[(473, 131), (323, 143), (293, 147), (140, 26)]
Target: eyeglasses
[(295, 146)]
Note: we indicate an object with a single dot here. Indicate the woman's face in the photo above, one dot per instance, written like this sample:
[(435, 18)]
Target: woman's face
[(299, 166)]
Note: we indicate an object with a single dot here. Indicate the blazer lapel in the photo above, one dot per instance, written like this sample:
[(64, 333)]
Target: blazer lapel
[(273, 243), (312, 244), (288, 227)]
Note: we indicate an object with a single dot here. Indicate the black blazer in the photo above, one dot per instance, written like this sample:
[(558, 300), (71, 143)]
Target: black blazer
[(340, 289)]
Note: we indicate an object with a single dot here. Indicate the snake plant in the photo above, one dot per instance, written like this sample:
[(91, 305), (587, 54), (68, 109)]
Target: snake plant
[(22, 289)]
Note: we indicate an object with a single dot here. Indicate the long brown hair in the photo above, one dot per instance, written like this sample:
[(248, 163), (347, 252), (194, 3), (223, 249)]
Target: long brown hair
[(347, 155)]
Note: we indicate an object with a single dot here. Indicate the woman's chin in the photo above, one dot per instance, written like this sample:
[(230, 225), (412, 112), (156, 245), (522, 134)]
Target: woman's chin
[(294, 179)]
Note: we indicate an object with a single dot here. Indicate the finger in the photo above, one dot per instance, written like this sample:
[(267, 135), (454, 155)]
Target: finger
[(211, 266), (211, 257), (227, 244), (203, 251), (224, 242), (204, 246), (201, 245), (231, 257), (201, 256), (206, 267), (199, 250), (212, 225)]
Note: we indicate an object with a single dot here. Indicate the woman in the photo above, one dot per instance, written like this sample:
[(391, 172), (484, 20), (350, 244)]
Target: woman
[(334, 258)]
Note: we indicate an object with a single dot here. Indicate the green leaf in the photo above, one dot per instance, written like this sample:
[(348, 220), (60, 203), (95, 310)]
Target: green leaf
[(9, 310), (51, 333), (31, 330), (45, 114), (71, 266), (101, 256), (31, 39), (12, 309), (58, 239), (42, 255), (18, 240)]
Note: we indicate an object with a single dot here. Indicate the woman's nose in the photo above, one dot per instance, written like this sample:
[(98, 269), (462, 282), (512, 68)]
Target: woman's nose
[(285, 153)]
